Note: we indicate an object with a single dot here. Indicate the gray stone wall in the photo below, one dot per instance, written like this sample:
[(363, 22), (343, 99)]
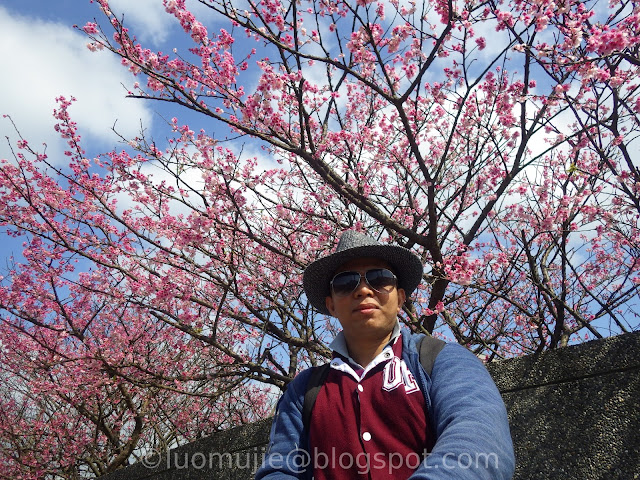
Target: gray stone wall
[(574, 415), (574, 412)]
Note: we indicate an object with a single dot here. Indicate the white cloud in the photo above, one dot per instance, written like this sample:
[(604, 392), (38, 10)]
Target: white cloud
[(147, 18), (43, 60)]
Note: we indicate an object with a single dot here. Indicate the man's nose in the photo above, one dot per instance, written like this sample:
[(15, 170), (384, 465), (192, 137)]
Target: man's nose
[(363, 287)]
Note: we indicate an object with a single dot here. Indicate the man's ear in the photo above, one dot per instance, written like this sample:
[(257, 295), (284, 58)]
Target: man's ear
[(402, 297), (328, 302)]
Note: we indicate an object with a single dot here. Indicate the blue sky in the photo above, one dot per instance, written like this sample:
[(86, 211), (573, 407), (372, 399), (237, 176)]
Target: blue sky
[(44, 56), (48, 57)]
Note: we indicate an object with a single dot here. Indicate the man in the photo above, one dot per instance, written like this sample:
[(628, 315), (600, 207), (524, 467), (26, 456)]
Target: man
[(378, 413)]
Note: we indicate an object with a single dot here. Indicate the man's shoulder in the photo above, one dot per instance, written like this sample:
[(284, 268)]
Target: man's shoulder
[(302, 377), (421, 349), (414, 340)]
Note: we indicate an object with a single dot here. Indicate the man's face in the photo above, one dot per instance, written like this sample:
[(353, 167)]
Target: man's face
[(366, 313)]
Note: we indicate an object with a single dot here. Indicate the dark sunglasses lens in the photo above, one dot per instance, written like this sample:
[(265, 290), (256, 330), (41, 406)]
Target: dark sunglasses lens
[(344, 283), (380, 279)]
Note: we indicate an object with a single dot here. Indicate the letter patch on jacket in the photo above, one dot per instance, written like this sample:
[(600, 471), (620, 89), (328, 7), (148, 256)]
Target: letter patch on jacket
[(397, 373)]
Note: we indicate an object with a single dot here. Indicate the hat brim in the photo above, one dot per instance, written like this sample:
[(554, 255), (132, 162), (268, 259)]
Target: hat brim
[(405, 264)]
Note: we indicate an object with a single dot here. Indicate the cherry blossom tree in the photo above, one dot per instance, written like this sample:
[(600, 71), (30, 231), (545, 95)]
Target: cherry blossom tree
[(498, 140), (92, 382)]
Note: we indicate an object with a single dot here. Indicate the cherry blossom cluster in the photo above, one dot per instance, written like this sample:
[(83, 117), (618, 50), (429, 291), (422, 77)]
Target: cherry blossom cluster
[(498, 141)]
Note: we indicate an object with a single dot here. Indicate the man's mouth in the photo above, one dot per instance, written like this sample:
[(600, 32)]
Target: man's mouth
[(366, 307)]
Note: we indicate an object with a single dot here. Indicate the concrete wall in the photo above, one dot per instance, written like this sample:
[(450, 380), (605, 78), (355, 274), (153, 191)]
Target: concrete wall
[(574, 413)]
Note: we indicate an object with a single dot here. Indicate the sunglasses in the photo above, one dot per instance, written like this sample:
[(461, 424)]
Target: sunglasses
[(379, 279)]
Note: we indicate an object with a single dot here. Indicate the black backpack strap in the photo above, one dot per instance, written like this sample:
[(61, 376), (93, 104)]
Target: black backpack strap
[(429, 349), (316, 380)]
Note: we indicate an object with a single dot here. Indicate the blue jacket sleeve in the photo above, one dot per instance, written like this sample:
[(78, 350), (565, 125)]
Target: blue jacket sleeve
[(286, 456), (473, 440)]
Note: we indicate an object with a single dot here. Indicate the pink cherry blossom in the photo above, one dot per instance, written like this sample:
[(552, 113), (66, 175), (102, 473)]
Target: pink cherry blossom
[(166, 274)]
